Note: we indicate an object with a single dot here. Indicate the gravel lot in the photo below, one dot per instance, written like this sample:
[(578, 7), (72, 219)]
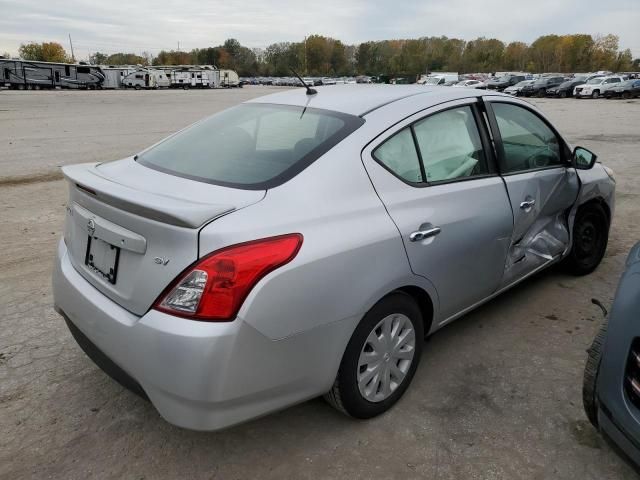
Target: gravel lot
[(497, 395)]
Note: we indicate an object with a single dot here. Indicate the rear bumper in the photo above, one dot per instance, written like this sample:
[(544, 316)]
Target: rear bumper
[(198, 375)]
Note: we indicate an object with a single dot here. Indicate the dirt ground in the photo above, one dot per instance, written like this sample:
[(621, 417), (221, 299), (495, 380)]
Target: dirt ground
[(497, 395)]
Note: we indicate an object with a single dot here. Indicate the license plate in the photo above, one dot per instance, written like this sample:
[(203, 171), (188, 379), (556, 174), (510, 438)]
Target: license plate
[(102, 259)]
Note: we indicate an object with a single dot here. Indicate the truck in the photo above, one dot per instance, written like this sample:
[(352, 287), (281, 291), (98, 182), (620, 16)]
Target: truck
[(439, 78)]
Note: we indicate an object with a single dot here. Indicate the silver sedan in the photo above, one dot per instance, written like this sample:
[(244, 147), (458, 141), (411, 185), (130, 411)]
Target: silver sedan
[(305, 244)]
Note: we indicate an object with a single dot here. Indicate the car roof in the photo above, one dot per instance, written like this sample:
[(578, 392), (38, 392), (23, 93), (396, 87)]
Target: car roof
[(359, 99)]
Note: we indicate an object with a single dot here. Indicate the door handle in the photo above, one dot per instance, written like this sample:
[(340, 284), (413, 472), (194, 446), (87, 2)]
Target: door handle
[(527, 204), (422, 234)]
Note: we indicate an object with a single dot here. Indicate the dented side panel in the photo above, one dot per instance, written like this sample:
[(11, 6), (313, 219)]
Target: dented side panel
[(541, 202)]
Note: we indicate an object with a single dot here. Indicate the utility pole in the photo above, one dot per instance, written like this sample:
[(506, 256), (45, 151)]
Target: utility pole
[(305, 55), (178, 45), (73, 58)]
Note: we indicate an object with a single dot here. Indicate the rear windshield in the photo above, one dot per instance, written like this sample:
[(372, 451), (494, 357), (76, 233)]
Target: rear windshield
[(251, 146)]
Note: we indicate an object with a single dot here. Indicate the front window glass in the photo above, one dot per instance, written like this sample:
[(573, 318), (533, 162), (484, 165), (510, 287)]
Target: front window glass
[(450, 145), (251, 145), (527, 141)]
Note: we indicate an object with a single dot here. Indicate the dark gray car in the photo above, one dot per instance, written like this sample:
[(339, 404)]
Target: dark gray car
[(611, 389), (505, 81)]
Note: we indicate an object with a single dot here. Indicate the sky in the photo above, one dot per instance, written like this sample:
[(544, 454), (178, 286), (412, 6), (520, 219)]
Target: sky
[(153, 25)]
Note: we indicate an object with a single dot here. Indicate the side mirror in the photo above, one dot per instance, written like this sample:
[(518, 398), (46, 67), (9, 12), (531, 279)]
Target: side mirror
[(583, 159)]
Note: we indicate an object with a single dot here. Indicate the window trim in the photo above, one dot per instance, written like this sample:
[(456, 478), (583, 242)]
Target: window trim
[(475, 104), (352, 123), (497, 138)]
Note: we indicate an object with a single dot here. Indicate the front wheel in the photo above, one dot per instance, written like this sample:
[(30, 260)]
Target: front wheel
[(595, 94), (590, 238), (380, 359)]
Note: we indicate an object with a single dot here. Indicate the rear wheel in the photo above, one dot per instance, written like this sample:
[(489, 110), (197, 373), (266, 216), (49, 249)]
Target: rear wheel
[(381, 358), (590, 378), (590, 238)]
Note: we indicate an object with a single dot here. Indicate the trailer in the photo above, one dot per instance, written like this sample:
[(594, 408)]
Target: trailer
[(31, 75), (147, 78), (114, 75), (229, 79), (194, 78)]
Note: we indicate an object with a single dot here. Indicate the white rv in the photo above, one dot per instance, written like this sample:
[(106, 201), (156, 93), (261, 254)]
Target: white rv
[(229, 78), (194, 78), (114, 75), (147, 78)]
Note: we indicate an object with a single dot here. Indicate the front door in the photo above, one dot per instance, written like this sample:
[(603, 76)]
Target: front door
[(437, 179), (535, 164)]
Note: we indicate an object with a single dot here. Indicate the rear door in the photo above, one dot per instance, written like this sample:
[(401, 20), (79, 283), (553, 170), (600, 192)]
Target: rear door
[(435, 174), (535, 164)]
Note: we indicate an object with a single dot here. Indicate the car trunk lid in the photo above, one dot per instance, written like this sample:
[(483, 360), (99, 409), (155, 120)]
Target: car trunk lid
[(131, 230)]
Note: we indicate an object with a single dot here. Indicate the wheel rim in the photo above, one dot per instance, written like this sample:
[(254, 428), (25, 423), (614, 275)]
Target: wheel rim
[(386, 357)]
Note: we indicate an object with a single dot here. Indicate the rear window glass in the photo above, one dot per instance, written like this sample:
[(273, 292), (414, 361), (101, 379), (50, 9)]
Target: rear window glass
[(252, 145)]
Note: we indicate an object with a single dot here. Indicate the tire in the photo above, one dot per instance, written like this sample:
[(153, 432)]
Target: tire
[(590, 238), (626, 95), (137, 87), (590, 377), (563, 94), (595, 94), (347, 395), (541, 93)]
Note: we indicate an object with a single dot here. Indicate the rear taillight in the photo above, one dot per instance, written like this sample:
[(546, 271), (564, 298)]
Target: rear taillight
[(214, 288)]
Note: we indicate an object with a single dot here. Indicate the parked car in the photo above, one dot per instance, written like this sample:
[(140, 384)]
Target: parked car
[(626, 89), (517, 88), (611, 385), (596, 87), (565, 89), (505, 81), (470, 84), (540, 86), (303, 244)]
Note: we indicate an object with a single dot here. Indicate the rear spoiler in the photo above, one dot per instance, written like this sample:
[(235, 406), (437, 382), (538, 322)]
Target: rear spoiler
[(166, 209)]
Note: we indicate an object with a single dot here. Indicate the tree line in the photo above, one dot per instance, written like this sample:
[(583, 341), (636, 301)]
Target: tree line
[(318, 55)]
